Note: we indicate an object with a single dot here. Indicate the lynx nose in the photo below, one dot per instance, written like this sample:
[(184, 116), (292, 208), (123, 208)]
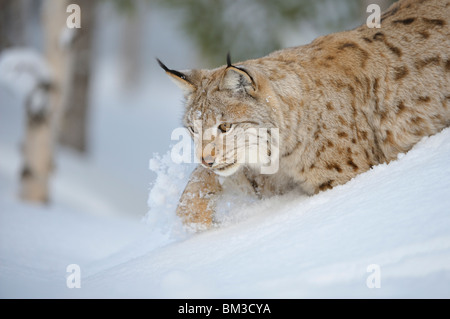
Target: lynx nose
[(208, 160)]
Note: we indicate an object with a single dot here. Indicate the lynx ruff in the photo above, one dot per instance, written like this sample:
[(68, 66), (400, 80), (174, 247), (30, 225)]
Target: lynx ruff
[(317, 114)]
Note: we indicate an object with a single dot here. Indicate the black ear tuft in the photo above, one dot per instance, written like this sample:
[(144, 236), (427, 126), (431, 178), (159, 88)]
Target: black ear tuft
[(176, 73), (229, 60), (165, 68)]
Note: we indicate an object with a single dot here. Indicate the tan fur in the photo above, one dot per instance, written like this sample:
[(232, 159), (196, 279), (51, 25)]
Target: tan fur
[(343, 103)]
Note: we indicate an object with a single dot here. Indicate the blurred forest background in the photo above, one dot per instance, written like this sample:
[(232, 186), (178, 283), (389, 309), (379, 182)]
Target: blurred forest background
[(83, 109)]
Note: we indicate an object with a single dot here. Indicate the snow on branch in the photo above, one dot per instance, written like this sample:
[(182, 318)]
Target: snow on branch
[(22, 70)]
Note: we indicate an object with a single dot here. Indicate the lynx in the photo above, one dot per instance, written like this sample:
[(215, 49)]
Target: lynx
[(341, 104)]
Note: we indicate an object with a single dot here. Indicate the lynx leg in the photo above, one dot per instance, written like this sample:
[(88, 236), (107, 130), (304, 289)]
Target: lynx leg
[(197, 203)]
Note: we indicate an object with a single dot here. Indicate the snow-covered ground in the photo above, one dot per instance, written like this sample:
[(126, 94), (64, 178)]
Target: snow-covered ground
[(393, 221)]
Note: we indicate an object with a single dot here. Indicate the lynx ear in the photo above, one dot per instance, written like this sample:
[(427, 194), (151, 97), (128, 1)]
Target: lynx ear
[(181, 79), (238, 79)]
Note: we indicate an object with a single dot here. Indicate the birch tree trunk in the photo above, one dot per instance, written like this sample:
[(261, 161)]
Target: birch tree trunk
[(67, 52), (37, 147), (43, 109)]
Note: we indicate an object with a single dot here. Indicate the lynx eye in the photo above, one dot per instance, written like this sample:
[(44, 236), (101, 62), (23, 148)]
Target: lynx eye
[(225, 127)]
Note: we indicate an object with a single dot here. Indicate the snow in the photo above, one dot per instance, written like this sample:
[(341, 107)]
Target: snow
[(166, 191), (21, 69), (396, 217)]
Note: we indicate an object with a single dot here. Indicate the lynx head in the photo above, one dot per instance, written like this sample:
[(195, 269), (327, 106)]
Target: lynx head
[(228, 114)]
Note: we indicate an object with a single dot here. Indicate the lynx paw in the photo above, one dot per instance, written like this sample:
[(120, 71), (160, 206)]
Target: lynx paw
[(196, 213)]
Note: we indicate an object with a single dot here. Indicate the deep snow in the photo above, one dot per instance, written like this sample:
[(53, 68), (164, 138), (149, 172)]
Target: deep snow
[(396, 216)]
